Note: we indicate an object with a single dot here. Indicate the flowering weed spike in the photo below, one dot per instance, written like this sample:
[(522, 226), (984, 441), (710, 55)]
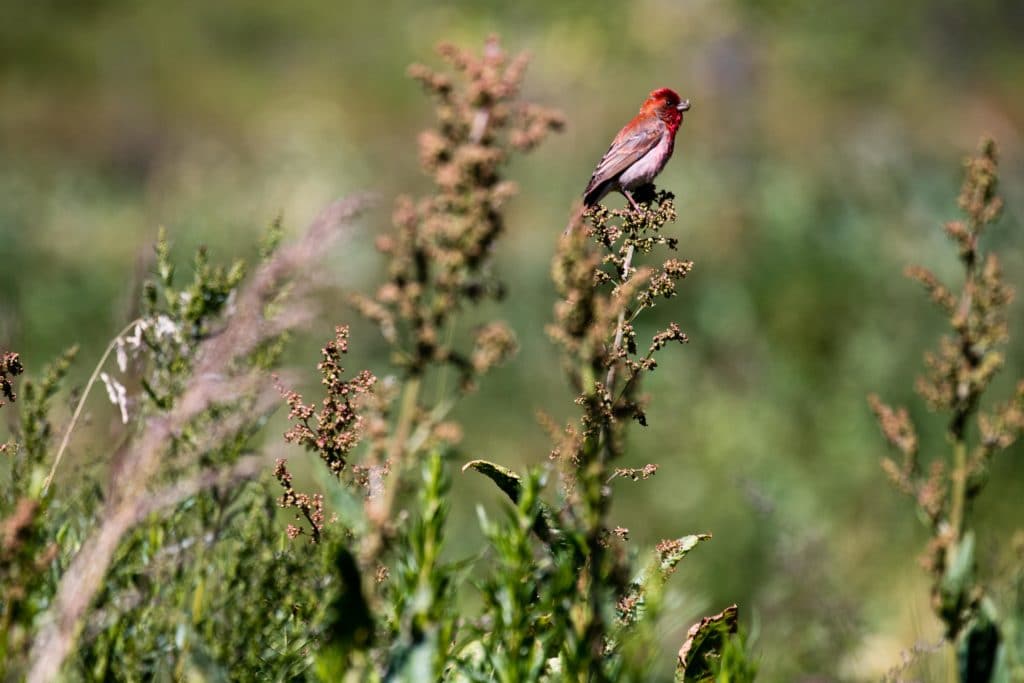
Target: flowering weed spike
[(958, 373), (336, 428)]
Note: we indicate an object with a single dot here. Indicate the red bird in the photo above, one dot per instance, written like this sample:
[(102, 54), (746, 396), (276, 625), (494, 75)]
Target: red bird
[(640, 150)]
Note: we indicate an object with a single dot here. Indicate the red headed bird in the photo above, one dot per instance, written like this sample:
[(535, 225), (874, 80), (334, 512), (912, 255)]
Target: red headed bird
[(640, 150)]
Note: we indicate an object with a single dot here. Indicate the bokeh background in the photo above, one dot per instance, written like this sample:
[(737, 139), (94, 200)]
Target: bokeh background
[(821, 155)]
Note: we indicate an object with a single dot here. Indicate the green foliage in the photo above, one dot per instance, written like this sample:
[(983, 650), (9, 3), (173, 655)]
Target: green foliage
[(820, 150), (421, 591), (210, 588), (528, 598), (176, 319), (172, 601)]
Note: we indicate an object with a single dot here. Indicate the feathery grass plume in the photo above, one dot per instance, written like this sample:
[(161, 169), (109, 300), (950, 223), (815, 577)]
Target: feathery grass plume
[(959, 371)]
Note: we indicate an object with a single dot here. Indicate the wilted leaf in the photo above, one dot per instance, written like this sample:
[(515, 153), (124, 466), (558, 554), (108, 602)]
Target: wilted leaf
[(645, 591), (671, 553), (704, 642)]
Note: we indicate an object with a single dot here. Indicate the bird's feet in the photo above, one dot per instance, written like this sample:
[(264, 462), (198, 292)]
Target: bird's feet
[(642, 197)]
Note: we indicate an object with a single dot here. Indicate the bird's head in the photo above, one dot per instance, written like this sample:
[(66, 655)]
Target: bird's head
[(666, 104)]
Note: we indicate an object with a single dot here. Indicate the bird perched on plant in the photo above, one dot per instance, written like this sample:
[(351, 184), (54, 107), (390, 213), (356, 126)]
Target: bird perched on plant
[(640, 150)]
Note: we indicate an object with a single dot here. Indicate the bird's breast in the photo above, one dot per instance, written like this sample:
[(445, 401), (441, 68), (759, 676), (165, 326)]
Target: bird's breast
[(648, 166)]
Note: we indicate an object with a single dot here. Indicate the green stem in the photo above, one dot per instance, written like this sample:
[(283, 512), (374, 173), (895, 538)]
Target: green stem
[(378, 510), (433, 522), (442, 382), (406, 416), (959, 493)]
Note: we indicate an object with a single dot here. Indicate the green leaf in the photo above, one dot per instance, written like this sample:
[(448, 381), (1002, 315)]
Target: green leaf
[(506, 480), (348, 623), (957, 581), (978, 646), (512, 485)]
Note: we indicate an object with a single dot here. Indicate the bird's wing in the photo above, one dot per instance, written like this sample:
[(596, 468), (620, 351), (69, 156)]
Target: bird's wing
[(629, 146)]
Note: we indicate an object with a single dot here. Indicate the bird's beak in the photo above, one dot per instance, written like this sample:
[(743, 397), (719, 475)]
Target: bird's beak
[(684, 105)]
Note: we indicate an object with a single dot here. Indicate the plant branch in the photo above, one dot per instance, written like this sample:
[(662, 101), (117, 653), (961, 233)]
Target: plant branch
[(621, 325)]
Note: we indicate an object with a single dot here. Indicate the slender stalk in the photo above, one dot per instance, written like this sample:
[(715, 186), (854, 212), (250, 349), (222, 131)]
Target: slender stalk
[(958, 498), (378, 508), (958, 484), (81, 402), (966, 406), (619, 329), (449, 335)]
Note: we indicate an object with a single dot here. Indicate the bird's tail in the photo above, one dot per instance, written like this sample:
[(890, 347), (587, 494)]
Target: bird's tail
[(595, 192)]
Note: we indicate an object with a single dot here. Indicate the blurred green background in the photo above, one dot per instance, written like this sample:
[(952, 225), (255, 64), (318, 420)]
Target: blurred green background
[(821, 155)]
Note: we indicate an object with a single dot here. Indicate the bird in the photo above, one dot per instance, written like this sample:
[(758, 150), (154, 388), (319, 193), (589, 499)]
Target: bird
[(641, 149)]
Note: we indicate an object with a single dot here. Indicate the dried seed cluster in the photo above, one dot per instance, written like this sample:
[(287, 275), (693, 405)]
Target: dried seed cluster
[(959, 371)]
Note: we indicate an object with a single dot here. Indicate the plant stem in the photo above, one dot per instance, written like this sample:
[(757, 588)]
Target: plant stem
[(965, 407), (378, 508), (596, 507), (619, 328), (958, 498)]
